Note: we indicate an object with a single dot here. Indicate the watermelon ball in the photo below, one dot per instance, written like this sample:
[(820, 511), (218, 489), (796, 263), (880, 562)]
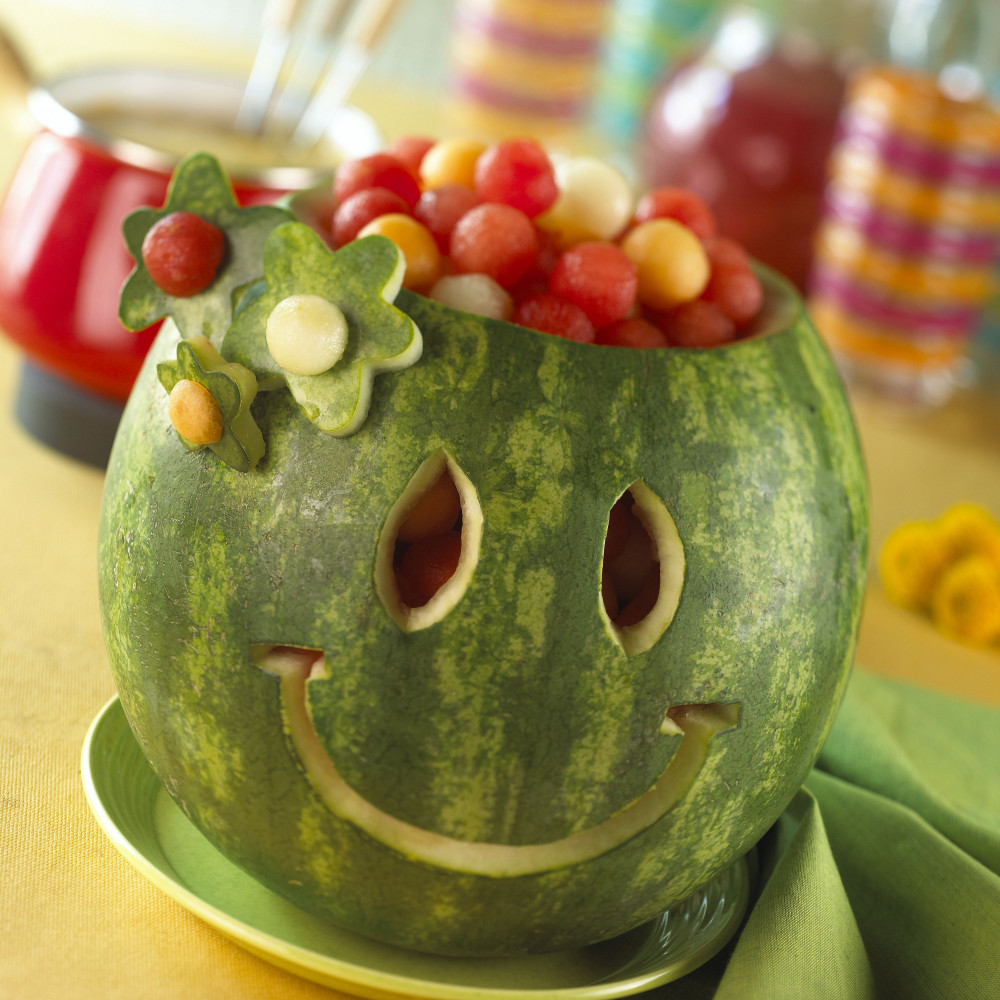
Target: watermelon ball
[(498, 240), (354, 213), (379, 170), (599, 278), (473, 293), (697, 324), (672, 264), (551, 314), (441, 207), (434, 513), (632, 332), (630, 565), (644, 600), (736, 291), (630, 577), (182, 252), (721, 250), (536, 280), (423, 259), (426, 566), (451, 161), (517, 172), (680, 204), (410, 150)]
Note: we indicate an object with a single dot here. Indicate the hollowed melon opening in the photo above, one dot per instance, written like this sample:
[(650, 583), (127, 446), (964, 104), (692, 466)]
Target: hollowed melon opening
[(642, 571), (429, 546)]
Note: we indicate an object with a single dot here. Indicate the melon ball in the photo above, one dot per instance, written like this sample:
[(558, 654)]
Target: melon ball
[(671, 263), (451, 161), (306, 334), (595, 202), (474, 293), (414, 239)]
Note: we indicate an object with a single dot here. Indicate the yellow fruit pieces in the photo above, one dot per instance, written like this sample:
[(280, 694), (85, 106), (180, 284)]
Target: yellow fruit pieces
[(912, 560), (948, 569), (966, 602)]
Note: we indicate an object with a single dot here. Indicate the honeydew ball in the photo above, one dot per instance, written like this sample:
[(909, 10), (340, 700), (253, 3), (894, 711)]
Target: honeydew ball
[(671, 263), (306, 334), (194, 413), (595, 202), (474, 293)]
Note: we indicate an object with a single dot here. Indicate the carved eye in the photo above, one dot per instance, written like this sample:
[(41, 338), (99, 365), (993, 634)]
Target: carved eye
[(430, 545), (643, 569)]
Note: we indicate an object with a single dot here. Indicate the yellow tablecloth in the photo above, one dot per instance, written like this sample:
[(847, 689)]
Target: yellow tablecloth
[(76, 922)]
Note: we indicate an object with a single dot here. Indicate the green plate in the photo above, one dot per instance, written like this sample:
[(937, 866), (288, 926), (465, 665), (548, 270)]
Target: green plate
[(148, 828)]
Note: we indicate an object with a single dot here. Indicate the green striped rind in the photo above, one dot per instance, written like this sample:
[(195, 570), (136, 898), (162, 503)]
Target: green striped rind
[(517, 719), (362, 280)]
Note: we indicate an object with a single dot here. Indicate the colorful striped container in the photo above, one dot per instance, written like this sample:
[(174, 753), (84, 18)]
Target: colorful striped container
[(525, 66), (646, 38), (907, 250)]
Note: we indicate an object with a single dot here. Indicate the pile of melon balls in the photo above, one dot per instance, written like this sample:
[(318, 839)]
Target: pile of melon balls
[(502, 231)]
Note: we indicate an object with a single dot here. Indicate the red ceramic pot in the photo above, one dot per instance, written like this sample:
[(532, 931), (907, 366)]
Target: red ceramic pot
[(107, 143)]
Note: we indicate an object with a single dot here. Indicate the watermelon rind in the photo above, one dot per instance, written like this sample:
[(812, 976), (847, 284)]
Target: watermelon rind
[(515, 717)]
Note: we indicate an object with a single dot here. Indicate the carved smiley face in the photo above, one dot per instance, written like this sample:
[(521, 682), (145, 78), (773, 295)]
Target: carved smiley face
[(432, 536), (512, 763)]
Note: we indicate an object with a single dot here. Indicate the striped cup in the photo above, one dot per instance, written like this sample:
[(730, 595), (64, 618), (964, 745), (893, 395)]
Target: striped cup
[(910, 237)]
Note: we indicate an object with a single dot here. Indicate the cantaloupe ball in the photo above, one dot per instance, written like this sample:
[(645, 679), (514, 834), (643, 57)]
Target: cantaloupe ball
[(420, 250), (194, 413), (451, 161), (595, 202), (474, 293), (671, 263)]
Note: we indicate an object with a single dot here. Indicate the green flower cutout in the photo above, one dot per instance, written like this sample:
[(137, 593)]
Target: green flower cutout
[(199, 186), (233, 388), (362, 280)]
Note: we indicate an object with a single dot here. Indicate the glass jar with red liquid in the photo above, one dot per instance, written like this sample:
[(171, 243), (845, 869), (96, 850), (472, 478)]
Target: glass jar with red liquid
[(749, 120)]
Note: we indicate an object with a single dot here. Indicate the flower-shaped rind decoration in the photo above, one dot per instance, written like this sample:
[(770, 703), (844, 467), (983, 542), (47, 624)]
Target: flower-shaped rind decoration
[(233, 386), (200, 186), (362, 280)]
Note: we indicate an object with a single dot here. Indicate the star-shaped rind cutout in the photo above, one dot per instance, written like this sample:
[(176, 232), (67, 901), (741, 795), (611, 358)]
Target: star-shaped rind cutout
[(199, 186), (362, 280), (233, 387)]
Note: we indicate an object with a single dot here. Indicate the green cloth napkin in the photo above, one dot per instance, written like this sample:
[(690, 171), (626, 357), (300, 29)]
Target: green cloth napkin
[(882, 877)]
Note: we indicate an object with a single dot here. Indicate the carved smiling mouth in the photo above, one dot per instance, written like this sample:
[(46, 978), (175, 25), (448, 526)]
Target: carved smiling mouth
[(697, 724)]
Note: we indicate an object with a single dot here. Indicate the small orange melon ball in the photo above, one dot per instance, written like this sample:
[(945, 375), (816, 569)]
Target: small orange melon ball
[(671, 262), (194, 413), (451, 161), (420, 250)]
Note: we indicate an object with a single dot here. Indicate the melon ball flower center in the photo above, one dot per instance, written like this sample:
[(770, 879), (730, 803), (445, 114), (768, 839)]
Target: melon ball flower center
[(306, 334)]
